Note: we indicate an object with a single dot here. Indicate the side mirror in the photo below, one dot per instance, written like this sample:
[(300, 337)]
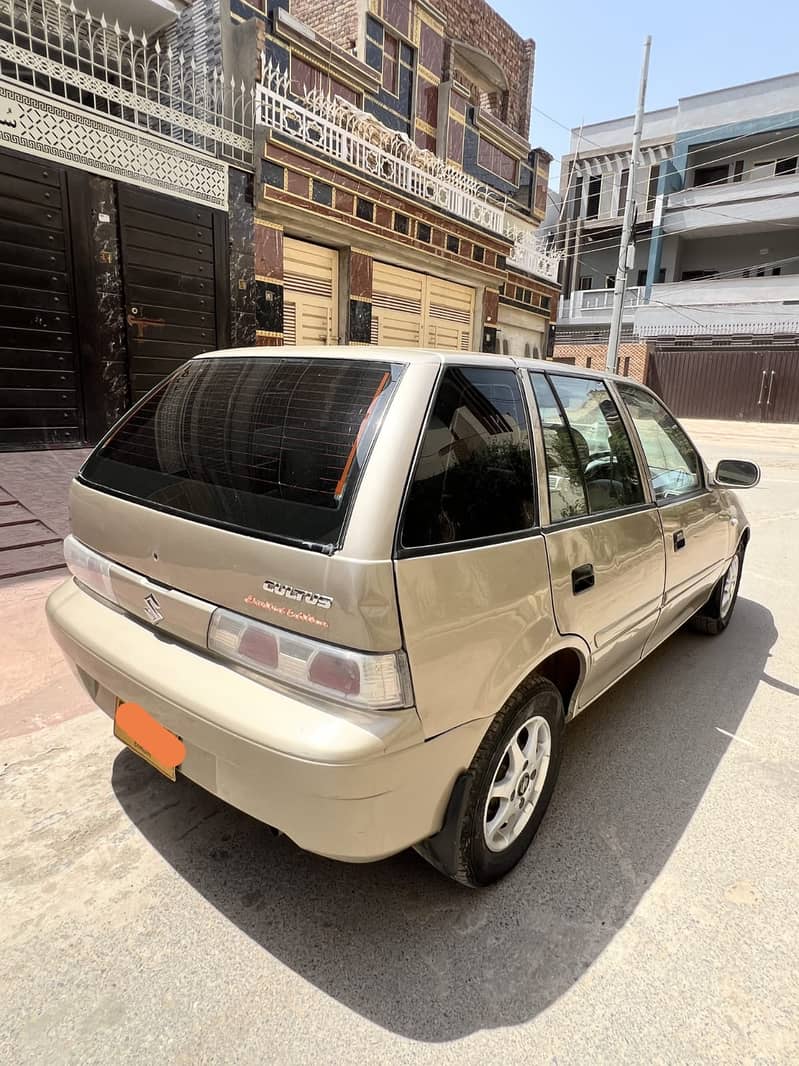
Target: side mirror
[(737, 474)]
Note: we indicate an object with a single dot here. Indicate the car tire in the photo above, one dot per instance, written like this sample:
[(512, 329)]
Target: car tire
[(715, 616), (485, 834)]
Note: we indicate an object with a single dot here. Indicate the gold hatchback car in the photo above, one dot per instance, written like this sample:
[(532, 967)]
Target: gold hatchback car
[(358, 594)]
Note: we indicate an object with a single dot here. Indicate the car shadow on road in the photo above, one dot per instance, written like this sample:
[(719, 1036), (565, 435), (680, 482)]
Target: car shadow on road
[(430, 960)]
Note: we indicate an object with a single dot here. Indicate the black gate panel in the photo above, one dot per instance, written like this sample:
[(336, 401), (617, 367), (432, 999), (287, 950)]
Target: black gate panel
[(174, 280), (40, 402)]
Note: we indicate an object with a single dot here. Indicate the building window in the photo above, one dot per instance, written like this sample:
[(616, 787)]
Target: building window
[(588, 362), (492, 158), (586, 282), (610, 281), (624, 181), (401, 224), (502, 262), (478, 253), (527, 296), (391, 64), (641, 279), (304, 78), (453, 244), (594, 191), (786, 166), (546, 303), (697, 275), (322, 193), (738, 170), (423, 232), (273, 174), (652, 191), (626, 370), (365, 209), (711, 175), (578, 198)]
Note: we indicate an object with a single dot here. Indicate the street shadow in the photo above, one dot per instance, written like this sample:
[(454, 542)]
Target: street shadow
[(425, 958)]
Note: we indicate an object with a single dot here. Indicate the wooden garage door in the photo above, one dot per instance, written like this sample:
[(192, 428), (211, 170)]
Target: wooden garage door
[(174, 275), (310, 293), (39, 391), (411, 310)]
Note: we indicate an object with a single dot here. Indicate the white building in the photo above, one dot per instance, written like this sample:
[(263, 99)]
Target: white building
[(712, 309)]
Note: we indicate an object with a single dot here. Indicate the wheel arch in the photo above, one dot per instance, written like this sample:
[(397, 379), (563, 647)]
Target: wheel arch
[(566, 667)]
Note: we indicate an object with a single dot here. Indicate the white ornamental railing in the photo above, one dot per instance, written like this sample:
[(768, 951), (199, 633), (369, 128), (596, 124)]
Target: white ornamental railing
[(532, 254), (336, 128), (594, 303), (57, 49)]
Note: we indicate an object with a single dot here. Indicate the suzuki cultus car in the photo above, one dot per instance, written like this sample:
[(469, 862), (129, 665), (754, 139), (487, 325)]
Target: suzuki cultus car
[(359, 593)]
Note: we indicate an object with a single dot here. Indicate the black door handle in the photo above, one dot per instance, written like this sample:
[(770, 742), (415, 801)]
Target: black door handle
[(679, 540), (582, 578)]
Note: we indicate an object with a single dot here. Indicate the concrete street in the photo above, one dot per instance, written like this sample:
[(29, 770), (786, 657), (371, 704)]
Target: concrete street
[(654, 919)]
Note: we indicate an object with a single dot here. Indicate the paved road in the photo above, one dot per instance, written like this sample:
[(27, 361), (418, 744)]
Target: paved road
[(655, 918)]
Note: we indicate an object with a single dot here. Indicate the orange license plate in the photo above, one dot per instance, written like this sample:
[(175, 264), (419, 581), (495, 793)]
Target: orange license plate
[(149, 739)]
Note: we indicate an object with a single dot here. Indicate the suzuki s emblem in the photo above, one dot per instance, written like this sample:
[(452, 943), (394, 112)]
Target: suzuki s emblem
[(152, 609)]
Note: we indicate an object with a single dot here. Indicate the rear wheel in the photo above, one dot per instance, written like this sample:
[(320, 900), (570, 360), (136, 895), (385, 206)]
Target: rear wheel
[(715, 616), (507, 789)]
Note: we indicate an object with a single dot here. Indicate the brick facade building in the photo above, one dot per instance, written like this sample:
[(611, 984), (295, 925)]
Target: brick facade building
[(396, 195)]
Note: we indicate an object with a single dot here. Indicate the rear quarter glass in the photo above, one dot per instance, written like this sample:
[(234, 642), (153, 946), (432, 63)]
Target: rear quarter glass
[(271, 447)]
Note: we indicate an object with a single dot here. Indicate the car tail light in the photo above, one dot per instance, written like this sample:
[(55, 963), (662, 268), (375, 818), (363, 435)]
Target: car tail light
[(89, 568), (358, 679)]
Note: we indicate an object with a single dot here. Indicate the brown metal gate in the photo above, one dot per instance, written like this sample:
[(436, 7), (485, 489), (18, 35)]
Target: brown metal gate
[(749, 385), (40, 402), (174, 276)]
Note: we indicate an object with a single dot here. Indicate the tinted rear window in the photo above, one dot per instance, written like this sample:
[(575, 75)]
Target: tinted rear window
[(266, 445)]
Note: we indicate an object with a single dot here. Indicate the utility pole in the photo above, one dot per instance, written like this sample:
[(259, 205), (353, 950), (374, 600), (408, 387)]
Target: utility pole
[(629, 215)]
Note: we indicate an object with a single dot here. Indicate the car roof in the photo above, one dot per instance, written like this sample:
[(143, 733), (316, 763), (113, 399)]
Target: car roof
[(428, 356)]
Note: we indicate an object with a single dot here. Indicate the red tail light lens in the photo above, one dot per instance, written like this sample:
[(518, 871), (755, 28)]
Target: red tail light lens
[(341, 675), (260, 646)]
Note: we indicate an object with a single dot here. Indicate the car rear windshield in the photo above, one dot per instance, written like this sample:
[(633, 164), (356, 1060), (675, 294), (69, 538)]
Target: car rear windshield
[(263, 445)]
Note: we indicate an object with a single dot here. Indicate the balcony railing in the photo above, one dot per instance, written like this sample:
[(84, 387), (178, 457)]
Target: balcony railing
[(56, 49), (595, 305), (357, 139), (532, 254)]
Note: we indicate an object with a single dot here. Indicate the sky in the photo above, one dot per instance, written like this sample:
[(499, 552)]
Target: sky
[(588, 55)]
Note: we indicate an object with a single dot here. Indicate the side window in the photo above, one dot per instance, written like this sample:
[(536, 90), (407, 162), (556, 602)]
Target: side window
[(566, 486), (601, 462), (474, 476), (674, 466)]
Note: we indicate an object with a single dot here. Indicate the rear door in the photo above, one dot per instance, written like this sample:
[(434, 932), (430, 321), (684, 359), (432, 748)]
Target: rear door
[(603, 540), (697, 528), (173, 255), (471, 571)]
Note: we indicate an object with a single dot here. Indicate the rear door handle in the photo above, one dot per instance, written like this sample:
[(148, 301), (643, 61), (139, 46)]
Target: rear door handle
[(582, 578), (679, 540)]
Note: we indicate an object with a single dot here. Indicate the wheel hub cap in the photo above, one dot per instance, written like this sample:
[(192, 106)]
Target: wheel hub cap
[(517, 784)]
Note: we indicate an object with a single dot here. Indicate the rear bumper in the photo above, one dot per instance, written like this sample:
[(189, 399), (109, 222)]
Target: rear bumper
[(345, 784)]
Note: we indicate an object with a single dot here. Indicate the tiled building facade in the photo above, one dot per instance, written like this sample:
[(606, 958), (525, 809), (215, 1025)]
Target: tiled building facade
[(396, 196)]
